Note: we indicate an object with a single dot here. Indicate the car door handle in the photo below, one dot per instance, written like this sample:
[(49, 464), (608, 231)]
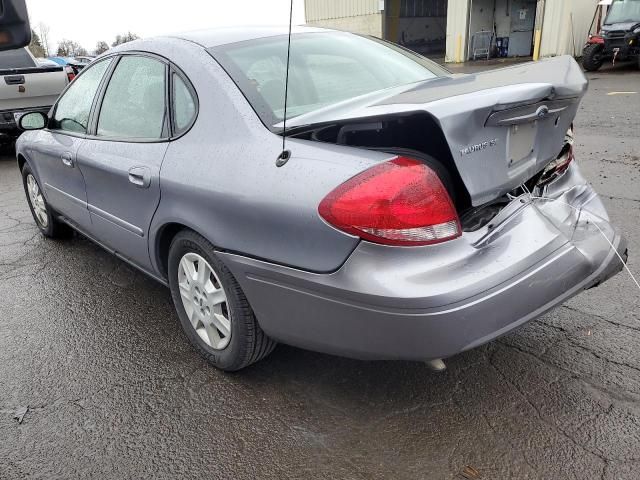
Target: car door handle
[(14, 79), (67, 159), (140, 177)]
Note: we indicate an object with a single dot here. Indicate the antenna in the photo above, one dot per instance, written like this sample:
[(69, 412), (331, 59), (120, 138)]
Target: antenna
[(284, 157)]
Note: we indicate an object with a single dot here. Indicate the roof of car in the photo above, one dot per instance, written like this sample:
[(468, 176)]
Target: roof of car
[(225, 35)]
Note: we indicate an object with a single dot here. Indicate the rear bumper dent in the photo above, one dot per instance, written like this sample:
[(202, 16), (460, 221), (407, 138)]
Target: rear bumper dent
[(434, 302)]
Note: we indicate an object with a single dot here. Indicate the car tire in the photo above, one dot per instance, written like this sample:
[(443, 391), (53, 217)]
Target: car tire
[(226, 334), (45, 218), (592, 57)]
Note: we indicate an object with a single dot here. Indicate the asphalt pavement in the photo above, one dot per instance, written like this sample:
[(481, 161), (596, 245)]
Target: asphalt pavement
[(94, 364)]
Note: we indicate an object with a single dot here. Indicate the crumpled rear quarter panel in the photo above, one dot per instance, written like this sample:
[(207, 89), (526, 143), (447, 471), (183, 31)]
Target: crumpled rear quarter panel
[(436, 301)]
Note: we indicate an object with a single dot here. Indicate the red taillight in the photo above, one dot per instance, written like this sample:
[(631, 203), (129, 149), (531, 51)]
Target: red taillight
[(565, 161), (70, 73), (400, 202)]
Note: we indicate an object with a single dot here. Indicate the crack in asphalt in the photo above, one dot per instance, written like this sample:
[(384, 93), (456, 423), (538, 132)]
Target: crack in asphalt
[(539, 414), (625, 398), (513, 445), (600, 357), (637, 200), (602, 318)]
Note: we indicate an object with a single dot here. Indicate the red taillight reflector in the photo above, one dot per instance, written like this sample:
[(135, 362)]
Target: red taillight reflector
[(560, 165), (564, 162), (400, 202)]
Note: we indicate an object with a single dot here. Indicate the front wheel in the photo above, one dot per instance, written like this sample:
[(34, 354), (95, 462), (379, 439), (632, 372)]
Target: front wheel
[(214, 312), (44, 217), (592, 58)]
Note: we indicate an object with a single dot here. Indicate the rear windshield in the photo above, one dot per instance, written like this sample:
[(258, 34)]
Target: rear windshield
[(15, 59), (623, 11), (326, 68)]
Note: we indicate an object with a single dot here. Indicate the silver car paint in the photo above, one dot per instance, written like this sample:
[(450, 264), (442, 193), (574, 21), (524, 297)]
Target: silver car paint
[(221, 178), (309, 284), (433, 302), (60, 178), (121, 211)]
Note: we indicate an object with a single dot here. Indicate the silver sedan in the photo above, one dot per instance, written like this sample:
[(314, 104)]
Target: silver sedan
[(412, 214)]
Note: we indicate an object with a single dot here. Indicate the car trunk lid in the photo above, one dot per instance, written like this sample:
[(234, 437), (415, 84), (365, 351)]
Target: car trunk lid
[(502, 126)]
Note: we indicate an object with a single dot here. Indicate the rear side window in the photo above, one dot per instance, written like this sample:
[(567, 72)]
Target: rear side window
[(134, 104), (16, 59), (184, 105), (72, 110)]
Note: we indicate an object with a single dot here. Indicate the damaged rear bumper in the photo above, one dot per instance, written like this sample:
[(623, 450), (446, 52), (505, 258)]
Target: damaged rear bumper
[(435, 301)]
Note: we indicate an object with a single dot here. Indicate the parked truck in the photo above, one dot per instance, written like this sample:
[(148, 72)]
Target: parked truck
[(26, 86)]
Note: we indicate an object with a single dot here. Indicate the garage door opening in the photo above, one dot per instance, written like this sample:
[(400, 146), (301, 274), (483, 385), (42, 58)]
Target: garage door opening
[(419, 25), (501, 28)]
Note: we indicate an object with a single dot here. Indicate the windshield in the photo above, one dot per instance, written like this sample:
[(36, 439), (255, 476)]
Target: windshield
[(623, 11), (326, 68)]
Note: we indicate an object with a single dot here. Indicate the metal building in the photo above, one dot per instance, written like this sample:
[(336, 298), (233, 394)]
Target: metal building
[(456, 29), (361, 16)]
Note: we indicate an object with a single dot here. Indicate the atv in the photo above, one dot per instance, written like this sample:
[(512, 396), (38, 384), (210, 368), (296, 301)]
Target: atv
[(619, 37)]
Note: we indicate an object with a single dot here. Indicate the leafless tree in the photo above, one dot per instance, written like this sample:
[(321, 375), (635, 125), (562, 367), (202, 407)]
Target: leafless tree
[(44, 38), (101, 47), (69, 48), (127, 37)]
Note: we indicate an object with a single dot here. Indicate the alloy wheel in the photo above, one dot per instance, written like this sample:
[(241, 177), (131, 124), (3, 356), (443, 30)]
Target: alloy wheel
[(37, 201), (204, 301)]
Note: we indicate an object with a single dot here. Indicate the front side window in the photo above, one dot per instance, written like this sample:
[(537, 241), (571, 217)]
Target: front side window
[(325, 68), (73, 109), (134, 104)]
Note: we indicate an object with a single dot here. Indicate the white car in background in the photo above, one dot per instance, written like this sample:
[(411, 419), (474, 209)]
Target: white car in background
[(84, 60), (45, 62)]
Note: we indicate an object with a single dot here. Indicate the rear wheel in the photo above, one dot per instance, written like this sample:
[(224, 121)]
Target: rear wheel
[(43, 215), (592, 58), (214, 312)]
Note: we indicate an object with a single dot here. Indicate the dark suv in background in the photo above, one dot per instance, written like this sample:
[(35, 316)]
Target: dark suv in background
[(619, 38)]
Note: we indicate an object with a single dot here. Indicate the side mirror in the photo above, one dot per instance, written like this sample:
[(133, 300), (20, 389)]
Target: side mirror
[(33, 121), (15, 30)]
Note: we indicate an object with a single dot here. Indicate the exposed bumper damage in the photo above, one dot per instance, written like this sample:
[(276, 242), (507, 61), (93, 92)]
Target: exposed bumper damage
[(433, 302)]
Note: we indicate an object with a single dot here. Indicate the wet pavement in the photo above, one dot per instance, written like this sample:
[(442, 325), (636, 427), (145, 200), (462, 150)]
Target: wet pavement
[(113, 390)]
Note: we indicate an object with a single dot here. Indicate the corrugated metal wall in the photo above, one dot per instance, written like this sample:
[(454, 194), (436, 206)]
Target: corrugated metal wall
[(328, 9), (564, 31), (566, 26), (457, 30)]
